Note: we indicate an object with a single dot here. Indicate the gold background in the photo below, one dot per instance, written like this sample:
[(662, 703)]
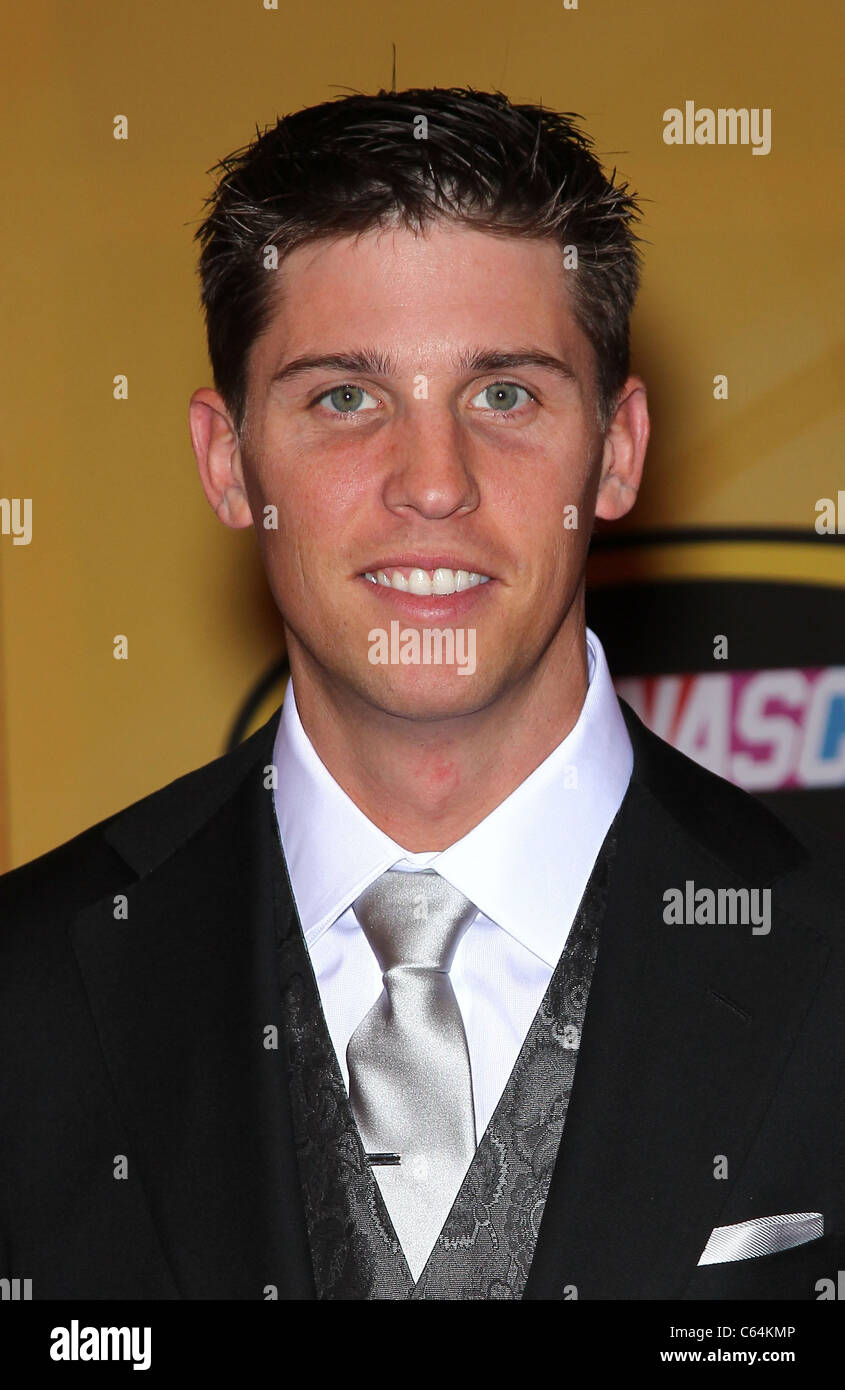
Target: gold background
[(743, 276)]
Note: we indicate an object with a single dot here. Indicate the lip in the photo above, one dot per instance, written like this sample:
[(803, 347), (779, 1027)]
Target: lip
[(427, 607), (426, 562)]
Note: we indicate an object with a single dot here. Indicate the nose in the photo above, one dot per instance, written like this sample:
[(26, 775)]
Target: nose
[(430, 469)]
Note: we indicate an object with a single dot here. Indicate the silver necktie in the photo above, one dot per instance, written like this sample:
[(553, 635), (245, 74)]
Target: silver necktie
[(410, 1085)]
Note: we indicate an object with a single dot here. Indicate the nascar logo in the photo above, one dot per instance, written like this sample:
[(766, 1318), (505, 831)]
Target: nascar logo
[(763, 730)]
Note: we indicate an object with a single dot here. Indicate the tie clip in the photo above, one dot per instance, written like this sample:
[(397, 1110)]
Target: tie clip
[(389, 1160)]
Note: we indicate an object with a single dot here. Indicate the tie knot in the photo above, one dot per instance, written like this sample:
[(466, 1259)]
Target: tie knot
[(413, 919)]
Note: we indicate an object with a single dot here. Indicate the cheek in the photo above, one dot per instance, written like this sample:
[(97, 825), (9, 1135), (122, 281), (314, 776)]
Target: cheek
[(571, 501), (312, 497), (546, 496)]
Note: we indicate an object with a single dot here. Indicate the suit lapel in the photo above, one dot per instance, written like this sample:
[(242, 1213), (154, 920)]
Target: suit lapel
[(185, 995), (688, 1028)]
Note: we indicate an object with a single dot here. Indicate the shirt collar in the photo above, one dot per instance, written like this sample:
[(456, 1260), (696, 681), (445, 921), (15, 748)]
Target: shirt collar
[(525, 866)]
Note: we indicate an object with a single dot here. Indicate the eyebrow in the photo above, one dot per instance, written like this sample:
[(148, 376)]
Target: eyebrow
[(370, 362)]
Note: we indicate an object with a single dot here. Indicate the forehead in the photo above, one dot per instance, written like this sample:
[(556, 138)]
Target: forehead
[(425, 292)]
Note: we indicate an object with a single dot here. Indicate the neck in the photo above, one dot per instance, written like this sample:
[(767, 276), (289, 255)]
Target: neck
[(426, 783)]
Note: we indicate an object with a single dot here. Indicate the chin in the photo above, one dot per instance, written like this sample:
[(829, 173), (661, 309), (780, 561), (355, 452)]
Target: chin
[(425, 693)]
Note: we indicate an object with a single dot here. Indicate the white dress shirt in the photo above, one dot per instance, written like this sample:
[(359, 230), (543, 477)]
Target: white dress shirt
[(525, 866)]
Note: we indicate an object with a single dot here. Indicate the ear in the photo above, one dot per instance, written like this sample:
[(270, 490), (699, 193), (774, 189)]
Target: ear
[(623, 456), (218, 454)]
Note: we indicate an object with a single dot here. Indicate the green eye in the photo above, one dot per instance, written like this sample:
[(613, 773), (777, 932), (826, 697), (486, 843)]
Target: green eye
[(348, 400), (501, 396)]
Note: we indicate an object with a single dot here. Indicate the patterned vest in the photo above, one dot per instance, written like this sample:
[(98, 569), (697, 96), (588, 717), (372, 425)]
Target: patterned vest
[(486, 1246)]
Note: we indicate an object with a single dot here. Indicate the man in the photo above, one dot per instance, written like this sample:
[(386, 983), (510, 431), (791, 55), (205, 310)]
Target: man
[(415, 995)]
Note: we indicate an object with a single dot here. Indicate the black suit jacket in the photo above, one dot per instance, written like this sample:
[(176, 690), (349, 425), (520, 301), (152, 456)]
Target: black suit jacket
[(145, 1135)]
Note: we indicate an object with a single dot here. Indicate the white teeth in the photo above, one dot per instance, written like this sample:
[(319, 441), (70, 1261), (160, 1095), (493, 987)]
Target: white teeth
[(426, 582)]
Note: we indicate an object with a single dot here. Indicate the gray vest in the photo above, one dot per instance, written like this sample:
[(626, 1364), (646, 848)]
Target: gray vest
[(486, 1246)]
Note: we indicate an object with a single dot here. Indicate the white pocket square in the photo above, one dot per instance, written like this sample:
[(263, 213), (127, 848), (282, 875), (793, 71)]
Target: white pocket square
[(762, 1236)]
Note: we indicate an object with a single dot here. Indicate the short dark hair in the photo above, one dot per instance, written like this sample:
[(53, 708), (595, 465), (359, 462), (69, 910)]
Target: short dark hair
[(357, 162)]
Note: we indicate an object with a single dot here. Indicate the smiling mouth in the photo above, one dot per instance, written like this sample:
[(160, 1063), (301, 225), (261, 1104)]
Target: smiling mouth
[(438, 582)]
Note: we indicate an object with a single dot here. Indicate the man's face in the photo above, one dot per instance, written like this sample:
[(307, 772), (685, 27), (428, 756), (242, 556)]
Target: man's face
[(424, 456)]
